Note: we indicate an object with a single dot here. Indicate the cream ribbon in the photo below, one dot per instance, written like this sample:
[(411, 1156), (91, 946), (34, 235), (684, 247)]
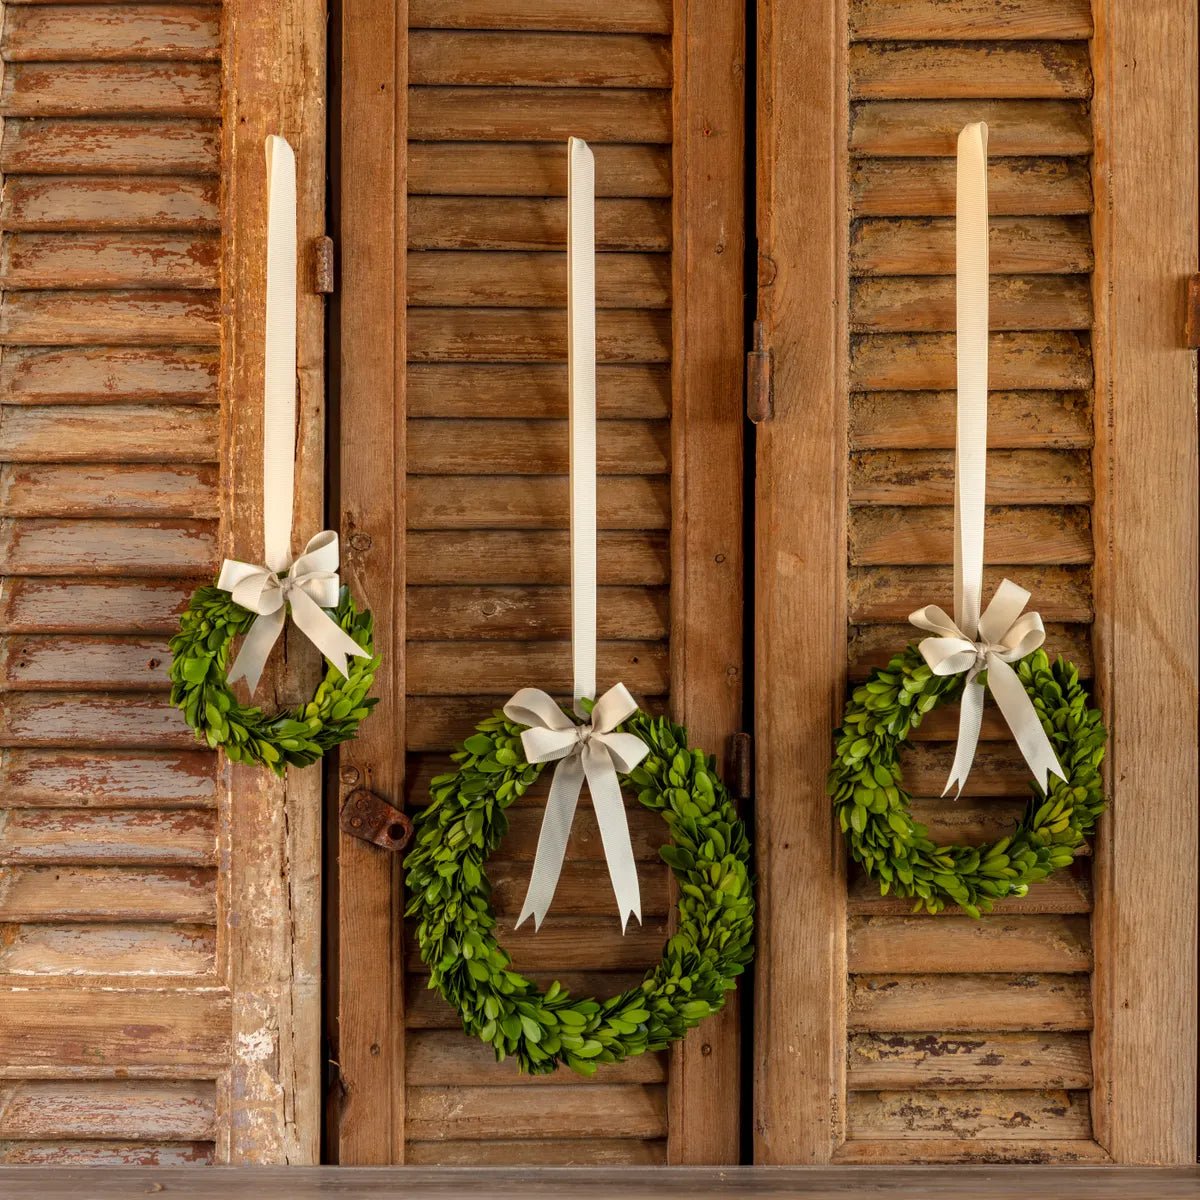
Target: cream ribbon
[(591, 751), (972, 643), (309, 585)]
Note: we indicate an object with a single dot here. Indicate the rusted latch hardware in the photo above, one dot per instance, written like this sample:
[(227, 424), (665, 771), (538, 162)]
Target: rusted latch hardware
[(370, 817), (1192, 330), (322, 266), (741, 765), (758, 379)]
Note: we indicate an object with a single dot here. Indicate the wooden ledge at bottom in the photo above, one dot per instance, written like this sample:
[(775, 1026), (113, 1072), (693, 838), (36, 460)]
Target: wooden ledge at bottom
[(627, 1183)]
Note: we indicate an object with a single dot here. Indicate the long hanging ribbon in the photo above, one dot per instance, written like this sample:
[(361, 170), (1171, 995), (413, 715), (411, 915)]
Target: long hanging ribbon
[(310, 584), (590, 751), (973, 643)]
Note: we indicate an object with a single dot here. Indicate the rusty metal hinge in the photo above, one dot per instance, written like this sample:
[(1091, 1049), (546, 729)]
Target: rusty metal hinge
[(322, 266), (759, 370), (370, 817), (741, 765), (1192, 321)]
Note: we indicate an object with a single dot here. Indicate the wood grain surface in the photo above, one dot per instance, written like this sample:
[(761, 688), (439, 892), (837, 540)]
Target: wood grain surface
[(800, 1045), (1147, 243), (601, 1178), (454, 338), (916, 72)]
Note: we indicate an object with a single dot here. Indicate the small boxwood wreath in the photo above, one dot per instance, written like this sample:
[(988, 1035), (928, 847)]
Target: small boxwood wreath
[(873, 806), (199, 687), (451, 897)]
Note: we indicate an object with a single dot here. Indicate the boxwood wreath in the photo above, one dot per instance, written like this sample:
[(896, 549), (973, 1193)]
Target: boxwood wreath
[(451, 899), (298, 738), (873, 806)]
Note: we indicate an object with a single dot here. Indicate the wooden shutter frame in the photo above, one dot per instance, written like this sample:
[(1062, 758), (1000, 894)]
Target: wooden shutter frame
[(1144, 171), (270, 829), (800, 594), (365, 954), (1145, 230), (706, 545), (706, 492)]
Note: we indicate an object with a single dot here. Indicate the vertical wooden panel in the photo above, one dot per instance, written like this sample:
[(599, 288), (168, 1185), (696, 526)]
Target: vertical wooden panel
[(366, 996), (799, 580), (274, 83), (452, 364), (1144, 1106), (162, 908), (108, 877), (915, 82), (706, 467)]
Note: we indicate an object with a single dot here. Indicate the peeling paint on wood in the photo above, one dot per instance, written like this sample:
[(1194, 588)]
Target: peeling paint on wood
[(121, 953), (888, 1062), (110, 375), (63, 605), (54, 778), (958, 1115), (106, 1109), (110, 89), (116, 147)]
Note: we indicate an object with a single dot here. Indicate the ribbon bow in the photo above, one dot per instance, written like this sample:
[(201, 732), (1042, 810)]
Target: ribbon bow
[(308, 587), (1004, 636), (971, 642), (593, 752)]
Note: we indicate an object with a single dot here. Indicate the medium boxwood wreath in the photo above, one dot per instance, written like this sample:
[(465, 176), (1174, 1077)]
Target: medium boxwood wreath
[(451, 897), (198, 686), (873, 806)]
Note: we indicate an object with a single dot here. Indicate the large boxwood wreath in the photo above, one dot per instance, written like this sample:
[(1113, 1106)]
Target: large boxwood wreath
[(298, 738), (451, 899), (873, 806)]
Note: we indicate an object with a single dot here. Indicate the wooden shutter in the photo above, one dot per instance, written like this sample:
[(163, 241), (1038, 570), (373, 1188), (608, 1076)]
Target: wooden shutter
[(1061, 1028), (157, 952), (452, 334)]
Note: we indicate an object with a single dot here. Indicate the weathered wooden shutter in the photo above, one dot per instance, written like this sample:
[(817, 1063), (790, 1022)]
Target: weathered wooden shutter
[(1061, 1028), (453, 498), (157, 946)]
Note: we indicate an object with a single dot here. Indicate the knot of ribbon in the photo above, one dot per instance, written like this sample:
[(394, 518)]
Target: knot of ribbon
[(971, 642), (1003, 637), (594, 752), (308, 587)]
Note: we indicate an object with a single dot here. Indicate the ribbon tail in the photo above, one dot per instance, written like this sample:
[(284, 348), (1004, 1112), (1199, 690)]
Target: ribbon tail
[(1018, 711), (605, 789), (256, 647), (323, 631), (552, 840), (970, 721)]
